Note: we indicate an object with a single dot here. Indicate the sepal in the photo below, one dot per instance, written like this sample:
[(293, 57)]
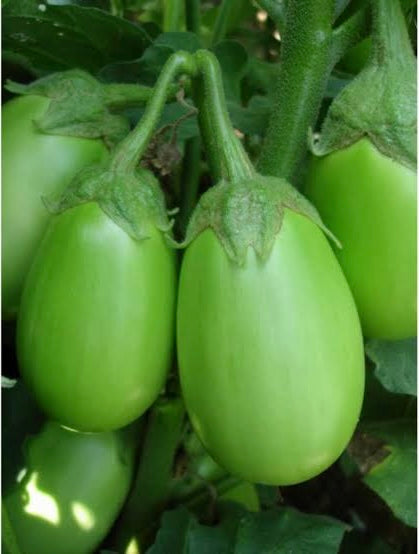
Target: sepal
[(380, 103), (249, 213), (78, 106), (131, 200)]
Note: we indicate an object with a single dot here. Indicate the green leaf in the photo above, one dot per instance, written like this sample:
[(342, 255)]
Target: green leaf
[(395, 364), (233, 59), (253, 119), (172, 113), (240, 532), (363, 543), (179, 41), (394, 478), (20, 7), (146, 69), (31, 7), (174, 529), (380, 404), (65, 37), (289, 531), (261, 76)]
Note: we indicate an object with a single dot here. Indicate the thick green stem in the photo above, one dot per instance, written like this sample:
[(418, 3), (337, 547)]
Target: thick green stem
[(226, 155), (302, 78), (391, 40), (152, 483), (130, 150), (349, 33), (193, 16), (191, 172), (121, 95), (172, 18)]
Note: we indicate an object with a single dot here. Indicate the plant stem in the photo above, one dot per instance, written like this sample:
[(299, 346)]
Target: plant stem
[(221, 23), (302, 78), (151, 486), (191, 172), (121, 95), (129, 151), (193, 16), (349, 33), (172, 17), (226, 155)]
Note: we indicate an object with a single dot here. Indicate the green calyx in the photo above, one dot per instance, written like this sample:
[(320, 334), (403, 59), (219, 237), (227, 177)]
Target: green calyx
[(249, 213), (81, 106), (128, 194), (131, 199), (380, 103), (244, 209)]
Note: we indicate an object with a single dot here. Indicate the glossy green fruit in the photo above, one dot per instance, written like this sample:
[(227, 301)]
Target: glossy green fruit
[(95, 329), (34, 164), (369, 202), (70, 490), (270, 355)]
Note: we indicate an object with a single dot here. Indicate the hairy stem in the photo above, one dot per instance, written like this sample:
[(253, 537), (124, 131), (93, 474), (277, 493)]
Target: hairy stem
[(122, 95), (226, 155), (302, 77)]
